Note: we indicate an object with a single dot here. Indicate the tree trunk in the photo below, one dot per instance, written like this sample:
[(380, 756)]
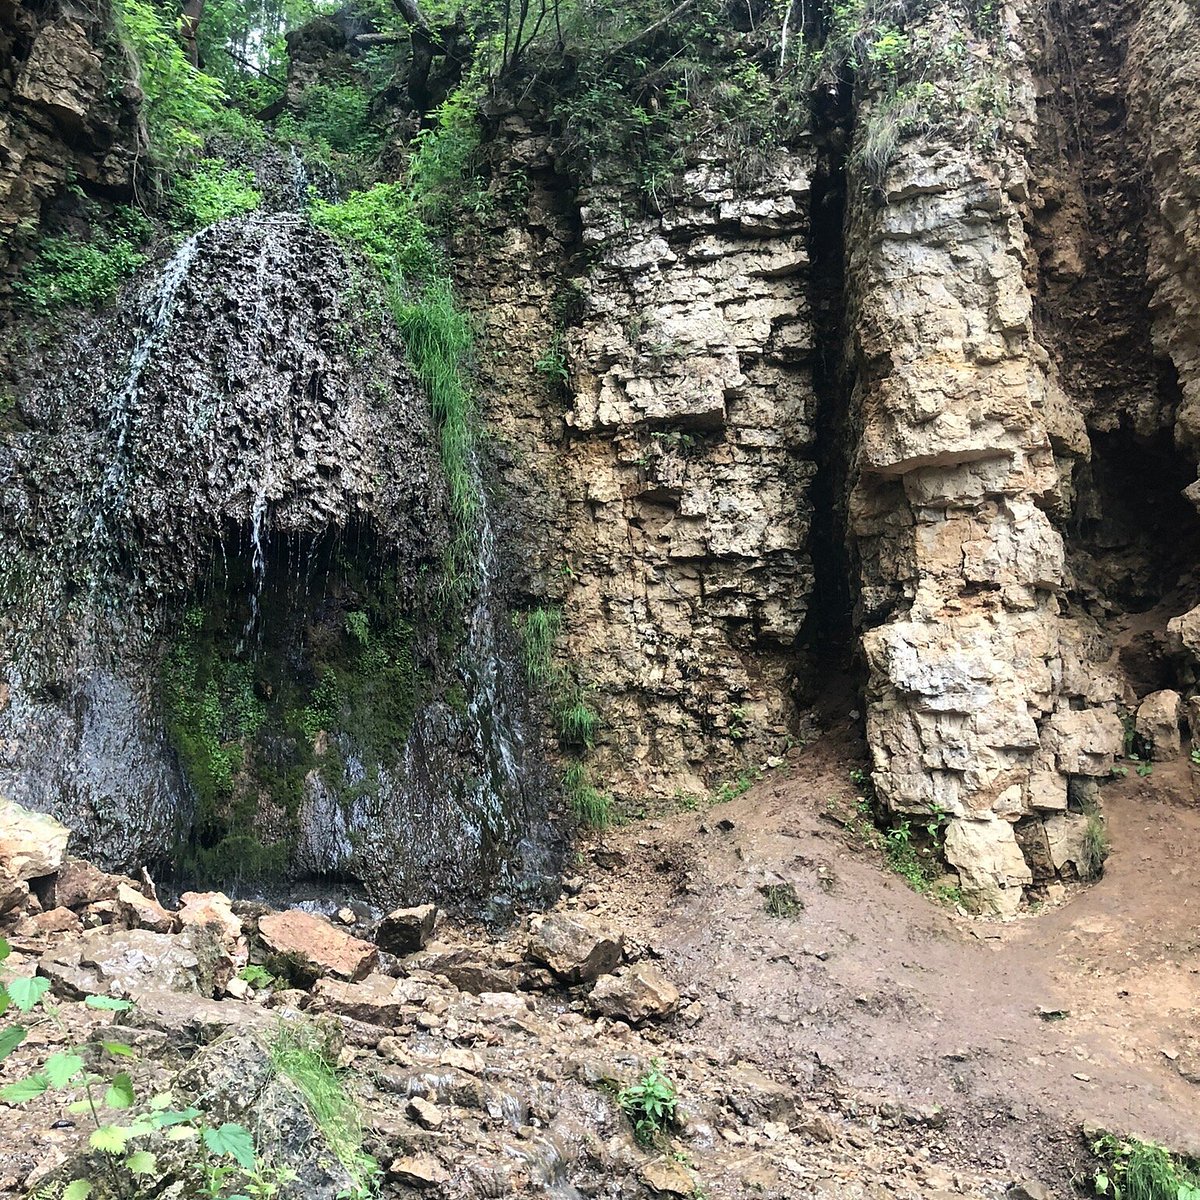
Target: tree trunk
[(189, 27)]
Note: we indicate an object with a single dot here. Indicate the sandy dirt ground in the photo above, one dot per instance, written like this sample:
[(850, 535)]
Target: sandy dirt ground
[(1022, 1032)]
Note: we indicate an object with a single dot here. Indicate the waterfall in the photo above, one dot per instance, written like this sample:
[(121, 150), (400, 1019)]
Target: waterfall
[(157, 314)]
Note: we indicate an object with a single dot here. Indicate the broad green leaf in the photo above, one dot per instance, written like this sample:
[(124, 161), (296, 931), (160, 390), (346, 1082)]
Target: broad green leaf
[(174, 1116), (10, 1039), (107, 1003), (25, 992), (120, 1092), (79, 1189), (4, 1000), (62, 1068), (234, 1140), (142, 1163), (162, 1101), (120, 1049), (181, 1133), (24, 1089), (5, 949), (109, 1138)]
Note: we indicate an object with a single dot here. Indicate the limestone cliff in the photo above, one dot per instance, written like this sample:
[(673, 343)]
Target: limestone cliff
[(60, 120)]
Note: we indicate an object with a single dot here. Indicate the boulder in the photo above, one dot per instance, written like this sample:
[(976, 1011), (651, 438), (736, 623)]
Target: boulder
[(213, 911), (667, 1178), (419, 1171), (406, 929), (121, 962), (189, 1020), (635, 994), (1158, 724), (53, 920), (1066, 835), (425, 1113), (141, 912), (576, 948), (79, 883), (329, 950), (1185, 630), (377, 999), (466, 967), (31, 844), (991, 868)]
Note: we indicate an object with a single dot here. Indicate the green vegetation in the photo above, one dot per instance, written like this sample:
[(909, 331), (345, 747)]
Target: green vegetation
[(916, 863), (385, 225), (1095, 845), (553, 362), (440, 168), (921, 80), (780, 900), (225, 1163), (576, 722), (210, 192), (1135, 1170), (69, 271), (179, 101), (298, 1053), (249, 729), (734, 788), (649, 1104), (592, 808)]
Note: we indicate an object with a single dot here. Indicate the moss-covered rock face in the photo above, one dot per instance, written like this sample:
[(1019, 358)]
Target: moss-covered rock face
[(222, 545), (272, 680)]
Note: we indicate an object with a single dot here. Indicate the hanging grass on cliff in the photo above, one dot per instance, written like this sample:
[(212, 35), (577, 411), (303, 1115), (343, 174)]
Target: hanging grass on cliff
[(384, 224)]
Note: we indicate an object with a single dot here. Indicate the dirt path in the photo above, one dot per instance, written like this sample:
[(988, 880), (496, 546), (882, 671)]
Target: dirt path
[(903, 998)]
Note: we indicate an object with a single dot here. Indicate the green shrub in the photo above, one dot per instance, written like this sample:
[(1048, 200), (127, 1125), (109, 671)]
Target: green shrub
[(650, 1104), (336, 117), (442, 154), (1136, 1170), (179, 101), (211, 191), (66, 271)]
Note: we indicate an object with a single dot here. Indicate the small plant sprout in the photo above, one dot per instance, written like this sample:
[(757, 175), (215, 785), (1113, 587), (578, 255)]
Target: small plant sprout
[(780, 900), (649, 1104)]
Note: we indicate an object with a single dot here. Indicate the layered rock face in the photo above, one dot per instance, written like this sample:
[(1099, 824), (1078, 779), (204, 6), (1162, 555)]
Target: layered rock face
[(60, 121), (981, 701), (670, 471)]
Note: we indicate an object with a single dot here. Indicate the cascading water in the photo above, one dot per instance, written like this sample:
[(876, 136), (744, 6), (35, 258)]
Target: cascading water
[(111, 501), (296, 698)]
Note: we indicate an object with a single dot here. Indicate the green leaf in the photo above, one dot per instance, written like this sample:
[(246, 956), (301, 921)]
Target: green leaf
[(10, 1039), (109, 1138), (24, 1089), (62, 1068), (78, 1189), (142, 1163), (174, 1116), (120, 1049), (25, 992), (234, 1140), (120, 1092), (5, 949), (107, 1003), (4, 1001)]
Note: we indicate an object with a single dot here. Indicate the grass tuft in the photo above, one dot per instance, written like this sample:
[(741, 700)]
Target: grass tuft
[(298, 1055)]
